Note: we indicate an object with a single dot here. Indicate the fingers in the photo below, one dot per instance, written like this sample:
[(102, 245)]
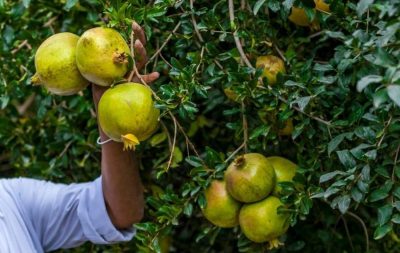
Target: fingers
[(139, 33), (147, 78), (97, 92), (141, 55)]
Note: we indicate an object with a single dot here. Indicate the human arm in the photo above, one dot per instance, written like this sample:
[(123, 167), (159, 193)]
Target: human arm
[(122, 187), (102, 211)]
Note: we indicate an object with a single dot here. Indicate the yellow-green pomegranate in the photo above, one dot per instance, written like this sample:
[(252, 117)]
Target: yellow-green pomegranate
[(272, 65), (260, 221), (250, 178), (285, 170), (102, 56), (127, 114), (299, 17), (56, 66), (322, 6), (222, 210)]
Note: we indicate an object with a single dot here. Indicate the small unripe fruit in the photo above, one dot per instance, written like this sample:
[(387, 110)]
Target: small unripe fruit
[(56, 66), (272, 65), (127, 114), (222, 210), (285, 170), (260, 221), (322, 6), (250, 178), (102, 56)]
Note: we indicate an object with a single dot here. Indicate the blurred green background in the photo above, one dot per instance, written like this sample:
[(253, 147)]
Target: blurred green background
[(341, 91)]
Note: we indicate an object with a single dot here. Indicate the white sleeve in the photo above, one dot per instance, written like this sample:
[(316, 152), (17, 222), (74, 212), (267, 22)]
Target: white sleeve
[(65, 216)]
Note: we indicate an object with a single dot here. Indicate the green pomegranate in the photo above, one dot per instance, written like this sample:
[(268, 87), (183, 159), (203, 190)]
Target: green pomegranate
[(102, 56), (56, 67), (285, 170), (250, 178), (260, 221), (222, 210), (127, 114)]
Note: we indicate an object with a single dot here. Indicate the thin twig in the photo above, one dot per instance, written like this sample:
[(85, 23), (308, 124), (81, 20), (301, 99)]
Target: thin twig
[(188, 141), (280, 53), (165, 43), (384, 132), (303, 112), (245, 127), (65, 149), (236, 37), (346, 228), (162, 57), (173, 145), (201, 59), (133, 54), (168, 135), (234, 152), (315, 34), (21, 45), (355, 216), (156, 59), (394, 168), (49, 23), (196, 29), (27, 103)]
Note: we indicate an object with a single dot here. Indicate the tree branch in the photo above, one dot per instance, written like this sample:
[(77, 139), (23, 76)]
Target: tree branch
[(236, 37)]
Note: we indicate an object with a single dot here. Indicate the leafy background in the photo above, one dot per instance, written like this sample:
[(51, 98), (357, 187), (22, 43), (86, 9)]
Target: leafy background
[(341, 90)]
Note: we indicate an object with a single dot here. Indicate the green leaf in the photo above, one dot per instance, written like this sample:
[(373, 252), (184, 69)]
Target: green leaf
[(26, 3), (328, 176), (69, 4), (257, 6), (381, 231), (288, 4), (394, 93), (302, 102), (335, 142), (396, 218), (381, 193), (274, 5), (367, 80), (158, 138), (384, 214), (335, 35), (323, 67), (363, 6), (380, 97), (194, 161), (346, 158), (188, 210), (290, 83), (261, 130), (356, 194), (344, 203)]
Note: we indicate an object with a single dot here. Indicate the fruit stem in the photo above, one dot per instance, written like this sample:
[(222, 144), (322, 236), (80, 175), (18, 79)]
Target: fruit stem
[(239, 161), (130, 141), (35, 80), (120, 58)]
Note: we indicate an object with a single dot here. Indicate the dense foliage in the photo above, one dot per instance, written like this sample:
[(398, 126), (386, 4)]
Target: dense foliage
[(341, 91)]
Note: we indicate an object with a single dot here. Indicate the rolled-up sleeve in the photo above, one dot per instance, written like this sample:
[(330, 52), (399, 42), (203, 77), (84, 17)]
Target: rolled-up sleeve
[(65, 216)]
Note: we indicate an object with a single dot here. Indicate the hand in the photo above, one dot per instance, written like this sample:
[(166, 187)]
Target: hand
[(140, 61)]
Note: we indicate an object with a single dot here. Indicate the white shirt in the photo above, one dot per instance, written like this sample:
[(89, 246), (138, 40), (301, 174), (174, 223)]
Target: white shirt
[(39, 216)]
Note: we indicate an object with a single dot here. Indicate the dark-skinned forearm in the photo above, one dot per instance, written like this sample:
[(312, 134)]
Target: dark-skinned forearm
[(122, 187)]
